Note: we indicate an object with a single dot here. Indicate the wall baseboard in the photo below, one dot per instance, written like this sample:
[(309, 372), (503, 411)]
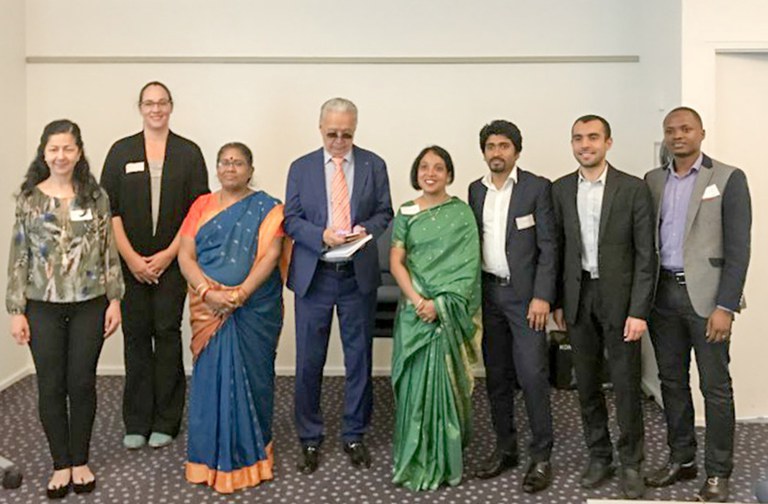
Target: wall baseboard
[(18, 375)]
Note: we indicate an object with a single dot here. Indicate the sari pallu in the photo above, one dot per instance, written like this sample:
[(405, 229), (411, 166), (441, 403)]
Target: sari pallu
[(232, 393), (431, 362)]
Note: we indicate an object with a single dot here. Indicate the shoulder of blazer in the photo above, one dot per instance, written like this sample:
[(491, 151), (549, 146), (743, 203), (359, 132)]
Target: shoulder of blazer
[(477, 185), (717, 165), (129, 145), (364, 156), (563, 182), (626, 178), (314, 157), (526, 177), (182, 144)]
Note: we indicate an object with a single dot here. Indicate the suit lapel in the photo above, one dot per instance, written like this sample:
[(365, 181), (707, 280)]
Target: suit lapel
[(317, 179), (571, 208), (519, 188), (609, 192), (480, 203), (362, 171), (702, 181)]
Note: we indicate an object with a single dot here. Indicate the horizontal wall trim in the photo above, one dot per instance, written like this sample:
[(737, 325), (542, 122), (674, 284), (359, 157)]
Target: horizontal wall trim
[(328, 60)]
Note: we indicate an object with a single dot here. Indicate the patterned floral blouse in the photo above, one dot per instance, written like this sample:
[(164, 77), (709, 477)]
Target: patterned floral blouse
[(61, 254)]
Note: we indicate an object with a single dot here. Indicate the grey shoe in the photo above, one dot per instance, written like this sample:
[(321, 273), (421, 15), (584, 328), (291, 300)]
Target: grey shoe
[(134, 441), (158, 440)]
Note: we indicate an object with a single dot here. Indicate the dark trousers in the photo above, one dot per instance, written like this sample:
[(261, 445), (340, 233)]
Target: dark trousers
[(591, 336), (314, 313), (515, 353), (675, 329), (66, 340), (153, 398)]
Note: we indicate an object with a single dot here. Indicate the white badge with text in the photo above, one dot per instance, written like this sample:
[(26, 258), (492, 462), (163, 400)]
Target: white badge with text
[(134, 167), (525, 222), (79, 215)]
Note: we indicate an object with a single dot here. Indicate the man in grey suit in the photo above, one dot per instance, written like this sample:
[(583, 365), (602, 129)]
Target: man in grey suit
[(703, 221), (608, 263)]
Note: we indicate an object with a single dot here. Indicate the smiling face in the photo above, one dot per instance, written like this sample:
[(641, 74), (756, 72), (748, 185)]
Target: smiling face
[(683, 134), (500, 154), (62, 154), (338, 131), (433, 175), (589, 143), (155, 107), (233, 170)]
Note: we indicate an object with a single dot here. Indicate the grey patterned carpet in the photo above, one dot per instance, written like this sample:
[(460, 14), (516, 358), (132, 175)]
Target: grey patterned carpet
[(148, 476)]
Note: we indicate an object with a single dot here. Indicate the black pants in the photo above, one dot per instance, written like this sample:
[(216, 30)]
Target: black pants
[(591, 336), (675, 329), (153, 399), (66, 340), (515, 353)]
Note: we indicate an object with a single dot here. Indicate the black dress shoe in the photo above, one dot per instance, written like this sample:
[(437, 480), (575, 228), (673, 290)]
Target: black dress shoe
[(715, 489), (596, 473), (58, 492), (538, 477), (83, 488), (632, 483), (308, 459), (496, 464), (672, 472), (358, 454)]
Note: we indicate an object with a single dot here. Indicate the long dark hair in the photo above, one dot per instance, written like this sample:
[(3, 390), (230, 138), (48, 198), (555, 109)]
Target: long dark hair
[(83, 182)]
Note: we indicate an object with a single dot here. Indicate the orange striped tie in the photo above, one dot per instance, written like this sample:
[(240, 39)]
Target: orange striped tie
[(340, 198)]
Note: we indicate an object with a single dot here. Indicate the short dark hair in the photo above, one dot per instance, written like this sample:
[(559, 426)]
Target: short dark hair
[(505, 128), (244, 150), (440, 152), (594, 117), (155, 83), (685, 109)]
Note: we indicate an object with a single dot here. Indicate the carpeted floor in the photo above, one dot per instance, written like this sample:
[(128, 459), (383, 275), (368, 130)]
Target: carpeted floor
[(148, 476)]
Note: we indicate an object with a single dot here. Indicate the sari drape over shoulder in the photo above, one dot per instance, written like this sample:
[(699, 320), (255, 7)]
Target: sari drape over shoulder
[(431, 362), (232, 393)]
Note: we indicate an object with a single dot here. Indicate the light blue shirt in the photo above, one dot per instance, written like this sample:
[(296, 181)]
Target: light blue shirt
[(590, 203), (674, 213)]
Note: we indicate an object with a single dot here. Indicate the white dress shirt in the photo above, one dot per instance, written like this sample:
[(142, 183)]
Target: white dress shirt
[(590, 203), (495, 216)]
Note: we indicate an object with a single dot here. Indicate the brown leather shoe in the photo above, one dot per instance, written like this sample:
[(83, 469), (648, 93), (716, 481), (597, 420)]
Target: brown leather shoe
[(672, 472), (715, 489), (538, 477)]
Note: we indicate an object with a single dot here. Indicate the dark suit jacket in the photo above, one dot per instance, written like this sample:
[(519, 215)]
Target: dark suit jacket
[(531, 252), (626, 257), (306, 216), (184, 178)]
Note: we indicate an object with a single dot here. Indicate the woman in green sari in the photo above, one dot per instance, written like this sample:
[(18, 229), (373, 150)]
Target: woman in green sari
[(435, 258)]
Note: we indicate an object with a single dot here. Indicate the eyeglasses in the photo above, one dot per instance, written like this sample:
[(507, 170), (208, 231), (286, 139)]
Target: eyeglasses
[(237, 163), (149, 104), (335, 135)]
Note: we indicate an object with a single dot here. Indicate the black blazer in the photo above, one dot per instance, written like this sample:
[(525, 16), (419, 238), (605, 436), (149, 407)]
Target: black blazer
[(626, 256), (531, 252), (184, 178)]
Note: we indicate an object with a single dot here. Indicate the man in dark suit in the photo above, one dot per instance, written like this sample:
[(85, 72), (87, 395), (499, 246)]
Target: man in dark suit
[(513, 209), (703, 221), (335, 194), (605, 231)]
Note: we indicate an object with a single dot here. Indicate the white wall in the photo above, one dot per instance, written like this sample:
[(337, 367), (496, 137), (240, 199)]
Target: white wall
[(719, 26), (14, 360), (274, 108)]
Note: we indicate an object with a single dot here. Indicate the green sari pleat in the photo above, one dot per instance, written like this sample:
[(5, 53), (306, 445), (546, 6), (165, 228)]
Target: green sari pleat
[(431, 362)]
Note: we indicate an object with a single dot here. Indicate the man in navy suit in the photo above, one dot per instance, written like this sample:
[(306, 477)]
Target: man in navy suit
[(513, 209), (335, 194)]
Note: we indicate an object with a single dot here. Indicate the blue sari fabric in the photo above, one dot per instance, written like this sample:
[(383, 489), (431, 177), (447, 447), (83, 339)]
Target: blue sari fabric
[(232, 393)]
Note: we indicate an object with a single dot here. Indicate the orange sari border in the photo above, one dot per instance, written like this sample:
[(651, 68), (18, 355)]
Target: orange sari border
[(228, 482)]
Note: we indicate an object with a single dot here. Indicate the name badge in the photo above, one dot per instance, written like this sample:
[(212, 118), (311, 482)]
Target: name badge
[(134, 167), (525, 222), (409, 210), (711, 192), (79, 215)]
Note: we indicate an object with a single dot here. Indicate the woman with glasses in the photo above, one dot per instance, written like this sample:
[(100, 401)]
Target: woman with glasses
[(64, 290), (435, 259), (152, 178), (231, 243)]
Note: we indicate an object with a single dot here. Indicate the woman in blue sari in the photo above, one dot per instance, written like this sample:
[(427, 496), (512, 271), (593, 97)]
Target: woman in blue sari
[(231, 243)]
